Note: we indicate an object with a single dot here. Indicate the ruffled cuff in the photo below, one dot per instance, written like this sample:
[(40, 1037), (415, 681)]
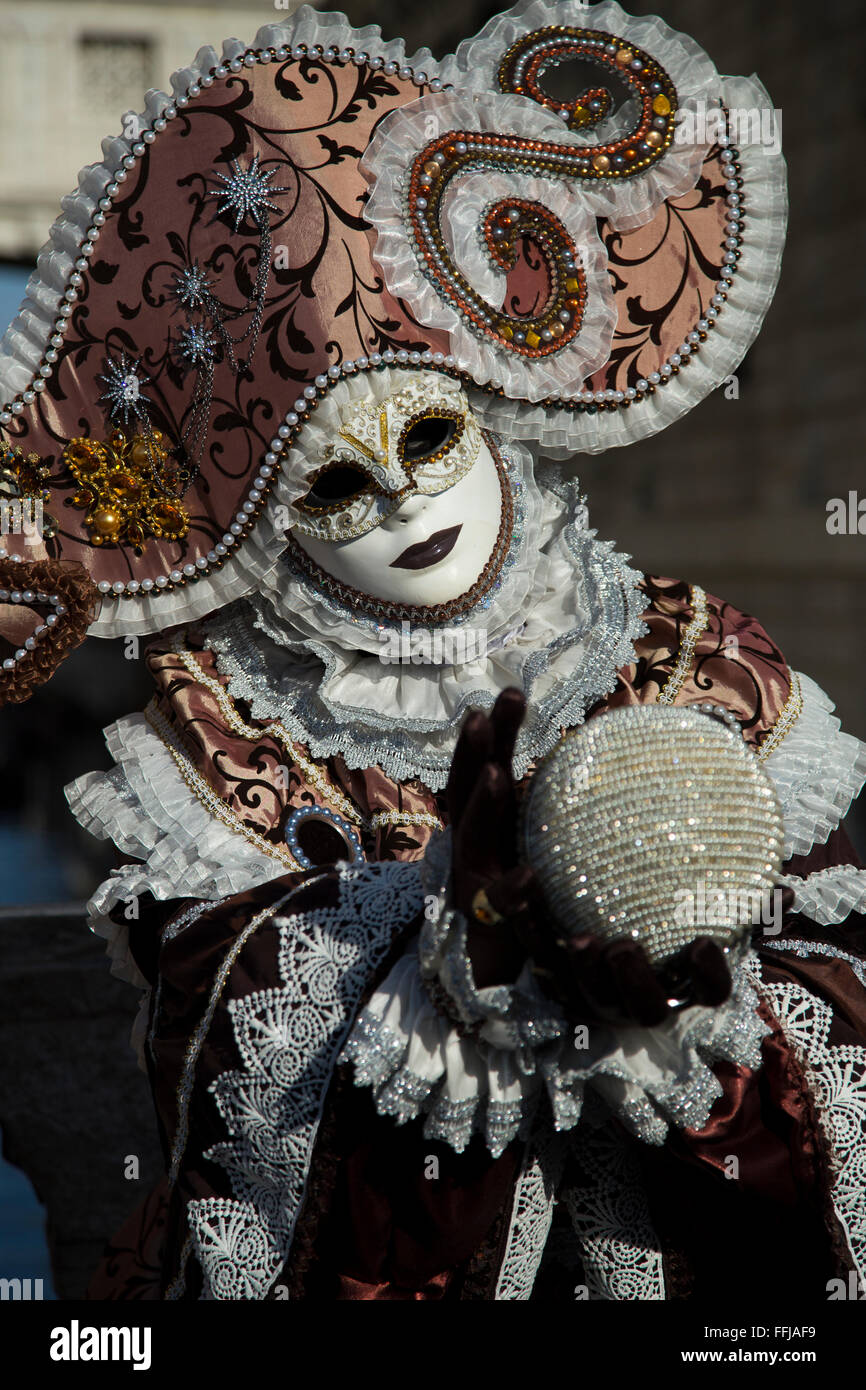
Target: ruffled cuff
[(480, 1060), (817, 771), (516, 1018), (416, 1061), (419, 1062), (146, 807)]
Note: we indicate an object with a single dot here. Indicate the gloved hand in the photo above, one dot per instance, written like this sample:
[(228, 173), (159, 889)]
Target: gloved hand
[(596, 981)]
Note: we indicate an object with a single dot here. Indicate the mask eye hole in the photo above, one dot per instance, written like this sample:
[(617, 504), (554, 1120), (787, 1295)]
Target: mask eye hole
[(335, 486), (432, 434)]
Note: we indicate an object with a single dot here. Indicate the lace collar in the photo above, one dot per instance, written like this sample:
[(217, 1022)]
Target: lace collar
[(562, 620)]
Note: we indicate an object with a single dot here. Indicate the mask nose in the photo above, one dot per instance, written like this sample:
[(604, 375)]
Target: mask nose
[(413, 507)]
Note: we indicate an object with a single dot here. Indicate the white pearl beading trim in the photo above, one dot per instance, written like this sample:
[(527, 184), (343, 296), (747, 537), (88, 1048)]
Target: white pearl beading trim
[(249, 512)]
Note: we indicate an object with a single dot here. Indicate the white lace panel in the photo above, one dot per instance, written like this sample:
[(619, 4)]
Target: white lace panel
[(289, 1037), (622, 1257), (531, 1215), (836, 1077)]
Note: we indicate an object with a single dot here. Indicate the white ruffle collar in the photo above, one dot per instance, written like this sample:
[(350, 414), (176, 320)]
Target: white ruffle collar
[(561, 621)]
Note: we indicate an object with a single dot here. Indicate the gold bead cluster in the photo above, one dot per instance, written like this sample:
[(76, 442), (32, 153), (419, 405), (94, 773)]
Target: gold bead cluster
[(129, 488)]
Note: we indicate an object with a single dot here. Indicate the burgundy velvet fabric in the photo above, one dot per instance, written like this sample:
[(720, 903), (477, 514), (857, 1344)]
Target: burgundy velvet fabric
[(406, 1214)]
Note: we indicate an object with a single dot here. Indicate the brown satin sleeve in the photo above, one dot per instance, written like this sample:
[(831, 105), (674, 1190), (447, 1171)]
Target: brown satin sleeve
[(243, 772), (262, 775)]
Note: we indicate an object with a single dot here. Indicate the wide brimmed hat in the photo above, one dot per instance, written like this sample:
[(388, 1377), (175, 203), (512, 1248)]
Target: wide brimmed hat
[(316, 206)]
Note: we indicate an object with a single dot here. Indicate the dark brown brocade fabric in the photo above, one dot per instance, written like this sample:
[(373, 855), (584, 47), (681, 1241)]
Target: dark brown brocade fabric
[(374, 1226), (18, 621)]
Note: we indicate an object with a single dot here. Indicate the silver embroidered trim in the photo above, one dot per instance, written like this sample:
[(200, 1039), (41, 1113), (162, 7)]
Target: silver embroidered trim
[(381, 1062), (820, 948), (174, 928), (186, 918)]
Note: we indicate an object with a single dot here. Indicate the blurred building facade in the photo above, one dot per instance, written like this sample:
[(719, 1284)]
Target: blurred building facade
[(71, 69)]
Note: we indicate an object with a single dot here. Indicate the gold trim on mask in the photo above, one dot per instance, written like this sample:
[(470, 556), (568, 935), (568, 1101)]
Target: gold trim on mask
[(373, 438)]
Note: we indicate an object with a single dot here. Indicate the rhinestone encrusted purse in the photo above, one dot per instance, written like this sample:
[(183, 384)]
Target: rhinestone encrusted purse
[(654, 824)]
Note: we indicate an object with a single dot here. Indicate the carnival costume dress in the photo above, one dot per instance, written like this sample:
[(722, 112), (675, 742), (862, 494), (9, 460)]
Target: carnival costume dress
[(301, 377)]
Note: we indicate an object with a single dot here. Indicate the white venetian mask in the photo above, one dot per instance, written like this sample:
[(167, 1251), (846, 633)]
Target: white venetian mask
[(406, 505)]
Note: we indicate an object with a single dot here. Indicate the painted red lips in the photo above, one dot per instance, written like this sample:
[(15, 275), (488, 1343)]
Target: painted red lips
[(429, 552)]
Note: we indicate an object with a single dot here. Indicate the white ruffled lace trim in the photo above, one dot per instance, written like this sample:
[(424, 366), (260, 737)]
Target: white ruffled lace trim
[(297, 610), (817, 771), (146, 808), (570, 617), (627, 203), (651, 1078), (829, 895), (559, 433)]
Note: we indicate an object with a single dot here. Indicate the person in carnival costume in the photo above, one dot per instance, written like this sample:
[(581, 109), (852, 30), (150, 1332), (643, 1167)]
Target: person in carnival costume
[(301, 378)]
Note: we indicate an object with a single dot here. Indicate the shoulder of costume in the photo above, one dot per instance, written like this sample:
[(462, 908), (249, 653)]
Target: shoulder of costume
[(700, 647), (697, 646)]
